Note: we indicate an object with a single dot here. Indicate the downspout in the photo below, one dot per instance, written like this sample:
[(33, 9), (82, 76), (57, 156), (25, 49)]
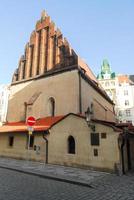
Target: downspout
[(25, 111), (121, 147), (46, 140), (80, 99), (122, 155)]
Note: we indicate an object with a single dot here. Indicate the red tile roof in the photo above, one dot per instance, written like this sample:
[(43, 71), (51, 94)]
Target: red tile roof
[(123, 79), (40, 125), (87, 69), (47, 122)]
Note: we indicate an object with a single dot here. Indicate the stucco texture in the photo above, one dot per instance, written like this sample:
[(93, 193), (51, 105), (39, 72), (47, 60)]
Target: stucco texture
[(108, 152)]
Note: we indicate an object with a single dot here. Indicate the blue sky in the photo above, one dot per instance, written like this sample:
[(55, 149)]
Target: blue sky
[(96, 29)]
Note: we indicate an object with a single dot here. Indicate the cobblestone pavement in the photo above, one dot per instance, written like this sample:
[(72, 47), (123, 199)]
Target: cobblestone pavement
[(54, 171), (19, 186)]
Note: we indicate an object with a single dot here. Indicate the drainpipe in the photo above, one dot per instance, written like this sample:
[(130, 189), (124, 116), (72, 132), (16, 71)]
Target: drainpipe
[(80, 93), (121, 143), (122, 155), (46, 140), (25, 111)]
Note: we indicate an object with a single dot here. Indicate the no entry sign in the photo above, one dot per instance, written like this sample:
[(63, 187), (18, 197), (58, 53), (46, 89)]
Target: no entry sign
[(31, 121)]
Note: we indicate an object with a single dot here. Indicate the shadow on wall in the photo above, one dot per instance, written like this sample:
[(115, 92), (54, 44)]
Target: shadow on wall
[(28, 99)]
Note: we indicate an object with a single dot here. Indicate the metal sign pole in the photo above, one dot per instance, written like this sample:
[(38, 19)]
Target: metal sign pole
[(28, 148), (29, 136), (30, 131), (30, 123)]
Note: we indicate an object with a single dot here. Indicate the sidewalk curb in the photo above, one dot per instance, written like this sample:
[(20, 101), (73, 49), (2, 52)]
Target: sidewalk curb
[(56, 178)]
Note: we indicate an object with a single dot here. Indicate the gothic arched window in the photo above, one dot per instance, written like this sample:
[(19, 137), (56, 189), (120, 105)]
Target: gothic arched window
[(71, 145), (52, 106)]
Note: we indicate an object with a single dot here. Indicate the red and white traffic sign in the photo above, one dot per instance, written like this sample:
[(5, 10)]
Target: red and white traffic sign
[(31, 121)]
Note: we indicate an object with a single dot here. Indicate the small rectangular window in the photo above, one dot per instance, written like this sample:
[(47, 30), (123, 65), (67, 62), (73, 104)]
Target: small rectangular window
[(120, 113), (128, 113), (10, 141), (106, 84), (95, 139), (125, 92), (112, 83), (95, 152), (126, 103), (31, 141), (103, 135)]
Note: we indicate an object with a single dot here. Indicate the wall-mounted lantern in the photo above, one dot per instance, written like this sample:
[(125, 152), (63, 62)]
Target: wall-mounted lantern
[(88, 115)]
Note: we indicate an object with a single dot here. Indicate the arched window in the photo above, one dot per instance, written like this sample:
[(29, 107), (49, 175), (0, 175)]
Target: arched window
[(52, 106), (71, 145)]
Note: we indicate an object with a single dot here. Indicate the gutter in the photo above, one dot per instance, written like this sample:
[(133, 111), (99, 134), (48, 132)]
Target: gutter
[(46, 140)]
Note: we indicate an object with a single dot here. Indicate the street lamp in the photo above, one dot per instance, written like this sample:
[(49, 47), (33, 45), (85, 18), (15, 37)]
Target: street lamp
[(88, 115)]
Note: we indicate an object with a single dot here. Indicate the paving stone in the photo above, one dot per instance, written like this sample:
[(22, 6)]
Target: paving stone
[(19, 186)]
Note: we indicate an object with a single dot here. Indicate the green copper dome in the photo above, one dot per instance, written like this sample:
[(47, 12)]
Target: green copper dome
[(105, 68), (106, 71)]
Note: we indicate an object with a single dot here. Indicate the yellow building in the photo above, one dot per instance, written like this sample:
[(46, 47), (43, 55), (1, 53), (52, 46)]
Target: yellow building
[(50, 83), (65, 140)]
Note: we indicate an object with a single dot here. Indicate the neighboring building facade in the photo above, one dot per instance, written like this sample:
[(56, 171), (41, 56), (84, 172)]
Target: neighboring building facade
[(125, 99), (4, 95), (120, 88)]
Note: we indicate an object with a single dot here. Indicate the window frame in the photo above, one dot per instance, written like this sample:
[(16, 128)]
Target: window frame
[(95, 139), (10, 141), (71, 145), (52, 106), (95, 151), (128, 112), (125, 92), (103, 135), (126, 102)]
